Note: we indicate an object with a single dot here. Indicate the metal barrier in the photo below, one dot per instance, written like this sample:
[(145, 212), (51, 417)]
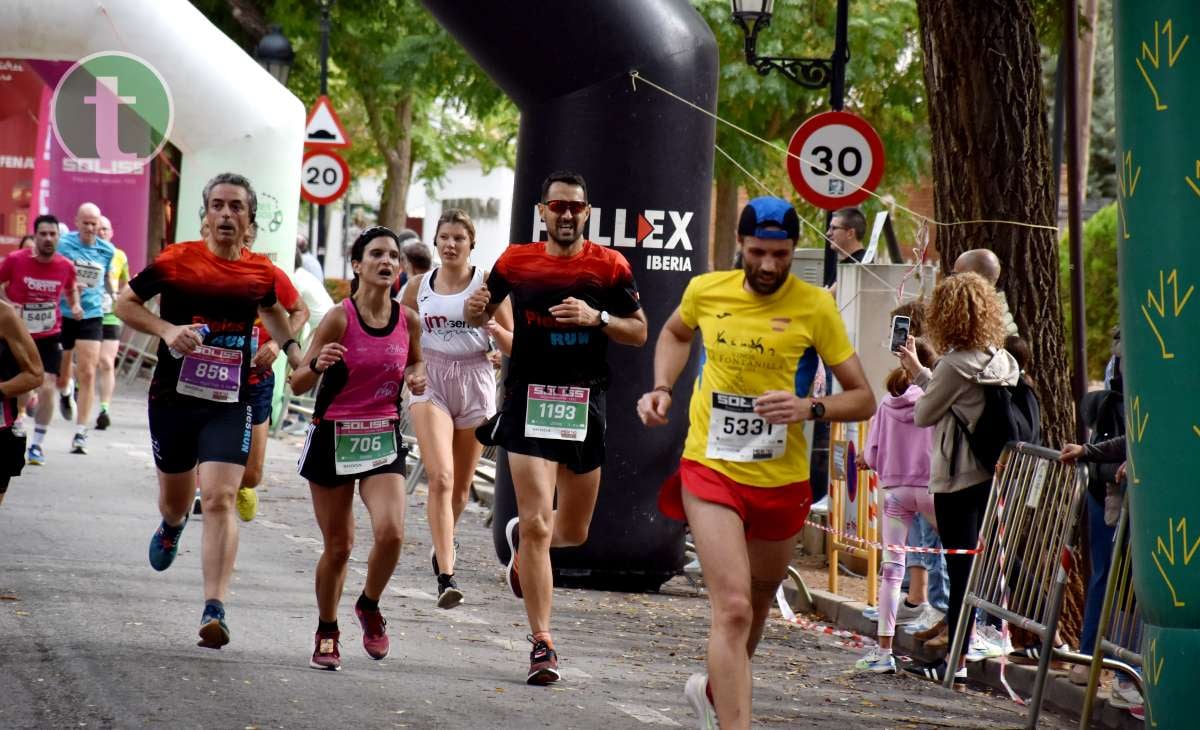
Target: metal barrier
[(866, 513), (1021, 573), (1120, 630)]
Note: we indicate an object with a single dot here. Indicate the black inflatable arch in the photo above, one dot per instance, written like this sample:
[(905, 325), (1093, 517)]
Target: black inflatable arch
[(648, 161)]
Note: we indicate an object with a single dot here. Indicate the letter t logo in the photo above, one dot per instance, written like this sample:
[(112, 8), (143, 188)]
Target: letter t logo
[(107, 102)]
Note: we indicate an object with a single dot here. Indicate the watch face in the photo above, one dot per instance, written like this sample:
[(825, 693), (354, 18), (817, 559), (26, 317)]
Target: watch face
[(818, 409)]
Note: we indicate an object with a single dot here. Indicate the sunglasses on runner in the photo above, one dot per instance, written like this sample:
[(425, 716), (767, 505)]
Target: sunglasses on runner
[(559, 207)]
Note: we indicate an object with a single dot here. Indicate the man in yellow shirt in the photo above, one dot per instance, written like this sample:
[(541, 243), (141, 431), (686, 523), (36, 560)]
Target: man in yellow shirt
[(743, 480)]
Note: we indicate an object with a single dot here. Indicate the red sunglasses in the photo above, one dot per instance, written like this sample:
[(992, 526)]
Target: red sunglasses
[(559, 207)]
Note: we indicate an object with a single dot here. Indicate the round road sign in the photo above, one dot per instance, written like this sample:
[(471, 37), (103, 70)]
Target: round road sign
[(843, 160), (324, 177)]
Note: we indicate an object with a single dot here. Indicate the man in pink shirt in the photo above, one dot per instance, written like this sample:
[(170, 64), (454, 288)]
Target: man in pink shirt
[(34, 280)]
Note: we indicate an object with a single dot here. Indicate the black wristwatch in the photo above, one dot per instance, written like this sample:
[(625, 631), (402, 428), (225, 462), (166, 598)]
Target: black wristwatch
[(312, 365), (817, 408)]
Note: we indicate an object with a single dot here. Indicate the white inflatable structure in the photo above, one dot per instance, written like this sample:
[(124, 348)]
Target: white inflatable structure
[(230, 114)]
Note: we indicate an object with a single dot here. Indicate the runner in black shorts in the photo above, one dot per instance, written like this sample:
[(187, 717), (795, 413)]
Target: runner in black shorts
[(569, 298), (35, 280), (20, 372), (364, 351), (211, 292)]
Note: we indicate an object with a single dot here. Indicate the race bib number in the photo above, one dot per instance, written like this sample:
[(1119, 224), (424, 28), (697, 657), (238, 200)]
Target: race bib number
[(557, 412), (737, 433), (88, 273), (211, 373), (39, 316), (363, 445)]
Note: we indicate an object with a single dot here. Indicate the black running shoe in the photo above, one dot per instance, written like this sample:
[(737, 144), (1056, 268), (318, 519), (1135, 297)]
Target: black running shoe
[(543, 664), (449, 595), (103, 421), (936, 672)]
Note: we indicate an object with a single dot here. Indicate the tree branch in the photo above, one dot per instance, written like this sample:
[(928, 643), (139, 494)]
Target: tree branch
[(250, 17)]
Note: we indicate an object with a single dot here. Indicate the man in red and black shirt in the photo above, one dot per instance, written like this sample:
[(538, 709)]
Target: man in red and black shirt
[(211, 291), (569, 298)]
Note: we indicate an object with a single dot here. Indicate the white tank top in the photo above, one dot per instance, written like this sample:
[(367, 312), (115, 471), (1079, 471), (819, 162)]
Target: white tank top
[(443, 328)]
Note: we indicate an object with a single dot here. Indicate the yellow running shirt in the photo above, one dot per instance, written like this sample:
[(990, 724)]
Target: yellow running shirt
[(753, 344)]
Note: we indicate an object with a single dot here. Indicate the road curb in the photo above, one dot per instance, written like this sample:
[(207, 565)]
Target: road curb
[(847, 614)]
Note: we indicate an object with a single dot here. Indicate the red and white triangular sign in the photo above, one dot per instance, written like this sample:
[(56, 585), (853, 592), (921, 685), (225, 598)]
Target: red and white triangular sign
[(324, 128)]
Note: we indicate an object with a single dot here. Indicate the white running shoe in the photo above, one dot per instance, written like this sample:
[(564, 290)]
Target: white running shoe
[(1124, 693), (906, 614), (877, 661), (926, 621), (697, 697), (987, 643)]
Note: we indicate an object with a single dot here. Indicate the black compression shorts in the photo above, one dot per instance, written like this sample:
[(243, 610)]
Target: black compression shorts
[(189, 431)]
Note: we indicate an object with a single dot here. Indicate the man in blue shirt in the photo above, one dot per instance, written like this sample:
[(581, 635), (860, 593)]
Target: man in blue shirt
[(92, 258)]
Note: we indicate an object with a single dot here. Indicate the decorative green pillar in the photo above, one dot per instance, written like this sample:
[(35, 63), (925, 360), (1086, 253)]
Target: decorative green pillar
[(1157, 52)]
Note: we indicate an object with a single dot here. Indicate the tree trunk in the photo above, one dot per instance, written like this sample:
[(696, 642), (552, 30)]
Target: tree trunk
[(991, 160), (725, 218), (395, 145)]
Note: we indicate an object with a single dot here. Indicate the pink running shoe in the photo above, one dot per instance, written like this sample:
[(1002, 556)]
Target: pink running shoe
[(375, 639)]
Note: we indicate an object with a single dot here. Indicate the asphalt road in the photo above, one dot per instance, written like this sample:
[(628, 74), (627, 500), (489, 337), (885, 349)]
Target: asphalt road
[(92, 637)]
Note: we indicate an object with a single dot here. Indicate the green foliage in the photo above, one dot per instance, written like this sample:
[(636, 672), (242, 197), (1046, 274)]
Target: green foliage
[(1099, 285), (884, 84), (383, 51)]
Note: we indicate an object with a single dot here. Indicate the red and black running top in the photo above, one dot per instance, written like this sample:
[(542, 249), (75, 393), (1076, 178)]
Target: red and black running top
[(198, 286), (546, 352)]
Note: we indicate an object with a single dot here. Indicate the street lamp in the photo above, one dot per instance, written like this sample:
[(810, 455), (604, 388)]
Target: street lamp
[(811, 73), (275, 54)]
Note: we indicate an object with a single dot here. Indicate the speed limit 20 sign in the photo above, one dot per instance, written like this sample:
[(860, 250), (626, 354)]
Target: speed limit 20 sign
[(840, 160), (324, 176)]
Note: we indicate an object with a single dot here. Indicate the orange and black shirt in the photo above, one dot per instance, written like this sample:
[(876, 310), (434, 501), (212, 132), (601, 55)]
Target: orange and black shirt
[(546, 352), (197, 286)]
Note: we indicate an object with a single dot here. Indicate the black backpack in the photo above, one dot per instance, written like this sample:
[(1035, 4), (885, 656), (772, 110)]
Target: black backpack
[(1009, 414)]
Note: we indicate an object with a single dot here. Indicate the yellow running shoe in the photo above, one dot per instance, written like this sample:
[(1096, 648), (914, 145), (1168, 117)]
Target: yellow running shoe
[(247, 503)]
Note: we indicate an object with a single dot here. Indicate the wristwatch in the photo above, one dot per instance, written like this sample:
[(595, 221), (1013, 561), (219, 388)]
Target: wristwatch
[(817, 409), (604, 319)]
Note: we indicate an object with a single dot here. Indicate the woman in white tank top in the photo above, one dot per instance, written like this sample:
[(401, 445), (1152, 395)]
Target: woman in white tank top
[(461, 390)]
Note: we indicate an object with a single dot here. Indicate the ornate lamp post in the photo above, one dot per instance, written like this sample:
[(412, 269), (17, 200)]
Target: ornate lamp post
[(275, 54)]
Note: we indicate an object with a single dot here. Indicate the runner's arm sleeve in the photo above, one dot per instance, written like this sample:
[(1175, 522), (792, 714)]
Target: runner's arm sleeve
[(623, 298)]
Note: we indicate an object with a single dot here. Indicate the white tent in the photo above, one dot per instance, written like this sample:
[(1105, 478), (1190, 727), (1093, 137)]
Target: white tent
[(230, 114)]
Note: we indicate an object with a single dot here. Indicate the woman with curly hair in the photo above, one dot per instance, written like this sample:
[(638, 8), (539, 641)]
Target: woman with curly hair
[(965, 321)]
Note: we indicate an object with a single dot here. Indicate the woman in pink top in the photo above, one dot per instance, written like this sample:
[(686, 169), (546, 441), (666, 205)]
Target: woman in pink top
[(898, 450), (363, 352)]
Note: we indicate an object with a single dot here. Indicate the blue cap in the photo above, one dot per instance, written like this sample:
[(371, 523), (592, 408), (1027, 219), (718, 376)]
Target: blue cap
[(769, 217)]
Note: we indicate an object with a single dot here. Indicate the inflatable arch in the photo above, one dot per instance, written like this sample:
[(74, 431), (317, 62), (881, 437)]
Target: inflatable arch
[(230, 114)]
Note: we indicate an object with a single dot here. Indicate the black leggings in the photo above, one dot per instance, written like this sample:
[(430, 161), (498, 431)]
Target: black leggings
[(959, 517)]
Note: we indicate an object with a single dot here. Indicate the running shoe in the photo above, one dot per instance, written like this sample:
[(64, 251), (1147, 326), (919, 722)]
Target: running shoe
[(929, 618), (214, 633), (1030, 654), (79, 443), (877, 661), (66, 406), (325, 653), (1125, 694), (102, 420), (449, 595), (35, 455), (543, 664), (374, 627), (247, 503), (164, 544), (697, 696), (987, 643), (907, 614), (936, 672), (513, 535)]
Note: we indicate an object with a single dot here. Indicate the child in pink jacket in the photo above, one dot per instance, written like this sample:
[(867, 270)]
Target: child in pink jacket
[(898, 451)]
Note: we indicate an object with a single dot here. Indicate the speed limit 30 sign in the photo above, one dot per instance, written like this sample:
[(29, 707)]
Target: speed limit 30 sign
[(324, 176), (841, 160)]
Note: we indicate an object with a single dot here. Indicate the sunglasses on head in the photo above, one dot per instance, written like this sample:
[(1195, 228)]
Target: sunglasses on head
[(562, 206)]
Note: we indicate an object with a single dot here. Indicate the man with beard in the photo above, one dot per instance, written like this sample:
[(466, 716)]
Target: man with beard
[(742, 483), (569, 298), (34, 280)]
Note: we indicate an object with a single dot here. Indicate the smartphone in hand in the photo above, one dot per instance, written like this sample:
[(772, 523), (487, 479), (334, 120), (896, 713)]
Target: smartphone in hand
[(900, 328)]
